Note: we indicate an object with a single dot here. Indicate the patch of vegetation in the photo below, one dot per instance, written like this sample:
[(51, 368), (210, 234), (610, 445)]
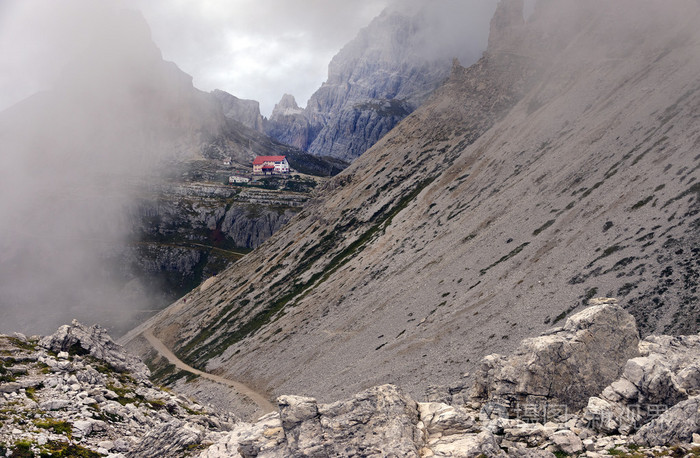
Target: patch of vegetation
[(626, 454), (56, 449), (590, 294), (107, 417), (57, 426), (590, 190), (156, 404), (21, 344), (192, 411), (505, 258), (543, 227), (607, 252), (31, 391), (5, 375), (656, 144), (641, 203), (560, 317), (124, 395), (22, 449)]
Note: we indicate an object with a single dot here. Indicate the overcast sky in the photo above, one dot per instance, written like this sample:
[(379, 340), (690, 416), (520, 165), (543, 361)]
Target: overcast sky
[(257, 49)]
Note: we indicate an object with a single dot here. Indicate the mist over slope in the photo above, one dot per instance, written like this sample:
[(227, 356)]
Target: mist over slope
[(562, 165), (75, 157)]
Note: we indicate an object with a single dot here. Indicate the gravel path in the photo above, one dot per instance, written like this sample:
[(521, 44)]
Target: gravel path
[(260, 400)]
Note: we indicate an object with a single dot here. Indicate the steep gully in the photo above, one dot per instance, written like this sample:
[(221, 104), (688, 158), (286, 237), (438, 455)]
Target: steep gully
[(260, 400)]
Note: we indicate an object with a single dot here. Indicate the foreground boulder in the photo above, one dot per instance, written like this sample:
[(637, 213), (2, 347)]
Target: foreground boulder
[(677, 425), (666, 373), (80, 340), (565, 366)]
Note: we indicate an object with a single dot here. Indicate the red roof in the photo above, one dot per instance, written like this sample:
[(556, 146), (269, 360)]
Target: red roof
[(262, 159)]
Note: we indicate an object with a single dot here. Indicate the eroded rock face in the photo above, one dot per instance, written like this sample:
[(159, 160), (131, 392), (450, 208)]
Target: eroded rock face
[(381, 421), (676, 425), (565, 366), (94, 340), (381, 418), (247, 112), (666, 373)]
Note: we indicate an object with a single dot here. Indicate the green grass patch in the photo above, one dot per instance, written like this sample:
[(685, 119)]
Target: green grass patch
[(57, 449), (31, 391), (21, 344), (124, 395), (22, 449), (57, 426)]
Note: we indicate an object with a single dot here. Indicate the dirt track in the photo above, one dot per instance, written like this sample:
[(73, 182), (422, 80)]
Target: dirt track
[(261, 401)]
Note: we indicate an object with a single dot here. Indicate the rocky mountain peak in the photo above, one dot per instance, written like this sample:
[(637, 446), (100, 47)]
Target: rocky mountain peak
[(285, 107), (378, 78)]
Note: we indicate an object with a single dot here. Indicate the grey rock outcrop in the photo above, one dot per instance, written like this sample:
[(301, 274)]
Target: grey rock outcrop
[(247, 112), (80, 394), (381, 421), (676, 425), (288, 124), (666, 373), (565, 366), (169, 439), (94, 341)]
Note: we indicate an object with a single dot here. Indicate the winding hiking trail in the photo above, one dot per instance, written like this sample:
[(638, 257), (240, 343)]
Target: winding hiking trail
[(261, 401)]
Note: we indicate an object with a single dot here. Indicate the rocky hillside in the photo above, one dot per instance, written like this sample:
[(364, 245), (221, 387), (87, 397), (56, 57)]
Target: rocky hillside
[(375, 81), (561, 166), (77, 393), (589, 388), (515, 409)]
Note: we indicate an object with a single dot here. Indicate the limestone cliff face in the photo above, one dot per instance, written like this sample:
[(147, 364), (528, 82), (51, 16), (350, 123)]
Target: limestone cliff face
[(183, 234), (560, 166), (247, 112), (374, 82), (289, 125)]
